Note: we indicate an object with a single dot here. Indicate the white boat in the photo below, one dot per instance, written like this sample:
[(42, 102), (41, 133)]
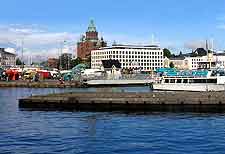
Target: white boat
[(181, 83)]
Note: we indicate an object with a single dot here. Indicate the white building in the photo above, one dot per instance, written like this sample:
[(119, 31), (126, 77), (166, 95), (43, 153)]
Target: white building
[(220, 60), (147, 58), (7, 58), (197, 62)]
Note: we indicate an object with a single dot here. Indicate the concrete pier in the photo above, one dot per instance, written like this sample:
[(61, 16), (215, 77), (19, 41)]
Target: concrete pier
[(111, 101), (117, 82)]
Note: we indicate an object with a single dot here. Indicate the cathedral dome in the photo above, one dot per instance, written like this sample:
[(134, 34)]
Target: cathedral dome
[(91, 27)]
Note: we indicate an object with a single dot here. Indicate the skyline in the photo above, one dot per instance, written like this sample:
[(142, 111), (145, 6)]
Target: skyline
[(176, 25)]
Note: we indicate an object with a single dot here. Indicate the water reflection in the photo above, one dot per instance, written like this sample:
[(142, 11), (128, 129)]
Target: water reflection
[(114, 132)]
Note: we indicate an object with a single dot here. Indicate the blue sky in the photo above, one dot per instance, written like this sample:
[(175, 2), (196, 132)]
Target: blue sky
[(176, 24)]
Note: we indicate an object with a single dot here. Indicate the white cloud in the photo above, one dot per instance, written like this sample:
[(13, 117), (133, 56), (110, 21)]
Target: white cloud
[(221, 26), (129, 39), (194, 44), (39, 43), (221, 18)]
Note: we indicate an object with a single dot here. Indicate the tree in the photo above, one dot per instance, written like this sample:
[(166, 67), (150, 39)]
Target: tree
[(180, 54), (18, 61), (75, 62), (171, 65), (44, 64), (88, 62), (166, 53)]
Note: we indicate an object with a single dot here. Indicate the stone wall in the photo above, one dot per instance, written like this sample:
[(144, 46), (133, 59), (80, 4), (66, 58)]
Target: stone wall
[(110, 101)]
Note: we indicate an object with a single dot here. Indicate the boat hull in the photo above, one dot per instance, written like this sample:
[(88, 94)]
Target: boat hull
[(188, 87)]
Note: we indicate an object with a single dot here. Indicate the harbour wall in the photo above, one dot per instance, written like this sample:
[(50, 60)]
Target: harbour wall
[(41, 84), (132, 102)]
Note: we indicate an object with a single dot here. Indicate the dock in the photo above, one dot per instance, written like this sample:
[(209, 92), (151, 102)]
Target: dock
[(41, 84), (126, 101), (117, 82)]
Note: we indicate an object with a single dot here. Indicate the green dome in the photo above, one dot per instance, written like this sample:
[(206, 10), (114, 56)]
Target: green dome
[(91, 27)]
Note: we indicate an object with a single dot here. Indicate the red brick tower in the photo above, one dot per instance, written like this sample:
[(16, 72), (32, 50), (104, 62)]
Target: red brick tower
[(89, 42)]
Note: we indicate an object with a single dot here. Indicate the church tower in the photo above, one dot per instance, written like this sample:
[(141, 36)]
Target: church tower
[(89, 42), (92, 34)]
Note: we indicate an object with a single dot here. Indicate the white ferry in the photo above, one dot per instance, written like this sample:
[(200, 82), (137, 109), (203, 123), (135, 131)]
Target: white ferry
[(191, 83)]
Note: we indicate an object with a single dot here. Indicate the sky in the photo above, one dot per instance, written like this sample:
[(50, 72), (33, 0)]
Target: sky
[(180, 25)]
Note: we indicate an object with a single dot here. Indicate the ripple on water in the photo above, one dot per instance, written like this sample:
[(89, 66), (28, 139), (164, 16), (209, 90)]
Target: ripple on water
[(82, 132)]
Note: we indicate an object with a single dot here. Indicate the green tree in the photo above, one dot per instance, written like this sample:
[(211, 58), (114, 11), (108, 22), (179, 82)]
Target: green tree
[(88, 62), (44, 63), (75, 62), (180, 54), (166, 53), (171, 65), (18, 61)]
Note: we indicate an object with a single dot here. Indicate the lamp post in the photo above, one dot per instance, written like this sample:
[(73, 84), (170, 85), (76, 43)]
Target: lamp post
[(22, 44), (60, 54)]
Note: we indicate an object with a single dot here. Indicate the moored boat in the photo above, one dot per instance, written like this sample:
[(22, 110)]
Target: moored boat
[(210, 82)]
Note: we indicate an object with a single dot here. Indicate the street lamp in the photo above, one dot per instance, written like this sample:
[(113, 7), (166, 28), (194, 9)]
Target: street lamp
[(22, 44)]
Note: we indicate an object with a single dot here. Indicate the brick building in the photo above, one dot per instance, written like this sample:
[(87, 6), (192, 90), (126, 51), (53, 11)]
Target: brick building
[(53, 63), (89, 42)]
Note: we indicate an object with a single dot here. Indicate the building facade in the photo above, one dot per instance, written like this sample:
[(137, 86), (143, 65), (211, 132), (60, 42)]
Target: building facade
[(178, 62), (195, 62), (7, 58), (89, 42), (145, 58), (65, 61), (220, 60), (53, 63)]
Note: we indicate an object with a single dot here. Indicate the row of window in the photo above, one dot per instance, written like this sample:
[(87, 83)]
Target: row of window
[(143, 68), (197, 59), (120, 56), (141, 64), (144, 64), (139, 60), (159, 52)]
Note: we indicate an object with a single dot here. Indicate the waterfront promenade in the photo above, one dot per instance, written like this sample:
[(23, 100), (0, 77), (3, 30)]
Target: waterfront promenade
[(126, 101)]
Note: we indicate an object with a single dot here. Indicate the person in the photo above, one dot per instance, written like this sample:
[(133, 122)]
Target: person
[(36, 79), (3, 75), (7, 77), (61, 80), (17, 76)]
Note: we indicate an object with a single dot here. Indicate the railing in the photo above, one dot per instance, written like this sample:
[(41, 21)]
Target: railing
[(121, 77)]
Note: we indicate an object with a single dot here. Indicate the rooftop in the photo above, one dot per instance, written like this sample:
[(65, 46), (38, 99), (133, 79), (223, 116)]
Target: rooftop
[(177, 58), (91, 27), (121, 46), (6, 52)]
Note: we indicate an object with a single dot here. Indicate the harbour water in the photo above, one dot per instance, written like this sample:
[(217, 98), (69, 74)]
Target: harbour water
[(39, 132)]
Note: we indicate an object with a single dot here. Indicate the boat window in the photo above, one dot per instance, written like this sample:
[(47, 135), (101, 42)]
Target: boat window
[(172, 81), (179, 80), (185, 81)]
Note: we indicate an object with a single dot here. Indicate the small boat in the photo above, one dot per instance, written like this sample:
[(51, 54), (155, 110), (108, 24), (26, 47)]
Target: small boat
[(213, 81)]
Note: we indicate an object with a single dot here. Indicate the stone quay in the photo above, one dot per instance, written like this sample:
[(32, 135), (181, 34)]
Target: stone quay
[(127, 101)]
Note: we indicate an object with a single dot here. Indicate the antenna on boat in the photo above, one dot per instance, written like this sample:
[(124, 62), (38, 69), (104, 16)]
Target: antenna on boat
[(206, 47), (153, 39), (212, 44)]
